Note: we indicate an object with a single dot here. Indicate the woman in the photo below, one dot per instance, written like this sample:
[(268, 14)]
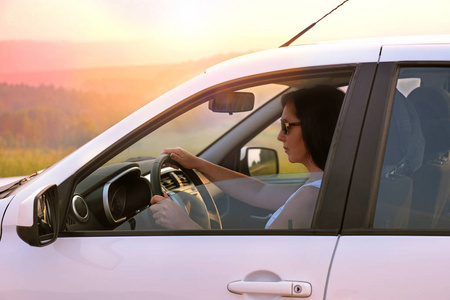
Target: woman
[(307, 125)]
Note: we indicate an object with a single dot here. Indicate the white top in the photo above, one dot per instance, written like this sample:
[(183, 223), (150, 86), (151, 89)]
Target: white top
[(316, 184)]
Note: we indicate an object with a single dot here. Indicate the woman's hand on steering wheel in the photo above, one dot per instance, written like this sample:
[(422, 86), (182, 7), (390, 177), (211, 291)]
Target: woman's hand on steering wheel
[(168, 214), (174, 215), (181, 157)]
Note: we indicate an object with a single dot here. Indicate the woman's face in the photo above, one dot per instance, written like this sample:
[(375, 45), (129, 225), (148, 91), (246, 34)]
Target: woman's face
[(293, 142)]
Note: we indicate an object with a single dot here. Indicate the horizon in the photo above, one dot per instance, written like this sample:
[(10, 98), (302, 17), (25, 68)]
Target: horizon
[(85, 56), (116, 79)]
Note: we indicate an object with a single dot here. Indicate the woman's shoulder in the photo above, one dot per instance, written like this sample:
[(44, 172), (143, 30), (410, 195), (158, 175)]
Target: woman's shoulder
[(310, 189), (315, 179), (307, 190)]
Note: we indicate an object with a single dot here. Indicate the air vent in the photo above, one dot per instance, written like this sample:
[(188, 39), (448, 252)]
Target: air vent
[(169, 182), (184, 180), (80, 208)]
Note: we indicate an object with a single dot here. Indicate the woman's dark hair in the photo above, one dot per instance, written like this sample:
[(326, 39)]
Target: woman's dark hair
[(318, 109)]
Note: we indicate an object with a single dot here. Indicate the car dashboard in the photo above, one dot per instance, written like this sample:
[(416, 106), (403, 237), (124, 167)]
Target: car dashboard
[(116, 193)]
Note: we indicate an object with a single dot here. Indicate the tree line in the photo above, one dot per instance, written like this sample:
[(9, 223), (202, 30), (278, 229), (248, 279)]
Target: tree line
[(46, 116)]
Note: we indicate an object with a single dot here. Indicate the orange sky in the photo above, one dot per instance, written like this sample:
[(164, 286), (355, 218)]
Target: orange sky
[(150, 31)]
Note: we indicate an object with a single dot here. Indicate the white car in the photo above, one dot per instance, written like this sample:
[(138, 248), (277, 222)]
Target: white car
[(81, 229)]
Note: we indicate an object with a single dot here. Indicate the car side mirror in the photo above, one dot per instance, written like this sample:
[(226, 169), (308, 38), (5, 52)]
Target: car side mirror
[(38, 222), (232, 102), (258, 161)]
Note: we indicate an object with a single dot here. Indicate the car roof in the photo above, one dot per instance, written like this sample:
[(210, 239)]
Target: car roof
[(321, 54)]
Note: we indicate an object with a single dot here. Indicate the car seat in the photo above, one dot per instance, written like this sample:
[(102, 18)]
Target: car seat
[(432, 181), (403, 156)]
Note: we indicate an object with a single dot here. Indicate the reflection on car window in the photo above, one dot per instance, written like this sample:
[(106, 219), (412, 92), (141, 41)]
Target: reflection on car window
[(414, 190), (198, 127)]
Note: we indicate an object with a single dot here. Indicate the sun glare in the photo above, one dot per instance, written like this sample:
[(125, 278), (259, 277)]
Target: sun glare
[(61, 21)]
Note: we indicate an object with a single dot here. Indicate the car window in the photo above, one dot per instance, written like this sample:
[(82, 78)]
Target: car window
[(197, 128), (414, 190), (116, 197)]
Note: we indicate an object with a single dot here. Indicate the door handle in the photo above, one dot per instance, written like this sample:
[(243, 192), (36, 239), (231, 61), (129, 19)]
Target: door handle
[(283, 288)]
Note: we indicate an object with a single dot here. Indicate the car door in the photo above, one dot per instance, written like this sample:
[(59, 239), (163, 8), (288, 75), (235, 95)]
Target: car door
[(395, 241), (197, 264)]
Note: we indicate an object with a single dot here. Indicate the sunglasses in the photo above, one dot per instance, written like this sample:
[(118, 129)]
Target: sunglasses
[(285, 125)]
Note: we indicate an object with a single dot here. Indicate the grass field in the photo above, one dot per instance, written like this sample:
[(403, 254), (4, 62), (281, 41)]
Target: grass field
[(17, 162)]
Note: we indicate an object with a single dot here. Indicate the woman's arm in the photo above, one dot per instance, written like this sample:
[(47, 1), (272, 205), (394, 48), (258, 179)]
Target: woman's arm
[(239, 186), (211, 171)]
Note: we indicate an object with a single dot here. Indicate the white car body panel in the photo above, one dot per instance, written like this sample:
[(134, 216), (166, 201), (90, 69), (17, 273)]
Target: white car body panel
[(438, 52), (390, 267), (297, 57), (3, 206), (190, 267)]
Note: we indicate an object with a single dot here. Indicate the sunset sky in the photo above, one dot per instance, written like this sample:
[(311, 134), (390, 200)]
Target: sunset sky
[(160, 31)]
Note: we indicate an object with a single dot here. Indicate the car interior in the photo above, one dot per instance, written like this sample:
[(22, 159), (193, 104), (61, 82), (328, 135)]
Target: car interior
[(414, 188)]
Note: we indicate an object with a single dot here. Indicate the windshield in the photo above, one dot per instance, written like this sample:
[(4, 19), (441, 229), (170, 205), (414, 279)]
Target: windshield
[(197, 128)]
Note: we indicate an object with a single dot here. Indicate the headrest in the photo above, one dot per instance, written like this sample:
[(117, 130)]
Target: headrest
[(405, 144), (433, 107)]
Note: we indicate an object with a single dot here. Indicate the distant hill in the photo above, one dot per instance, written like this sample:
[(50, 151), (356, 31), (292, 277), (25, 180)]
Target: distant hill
[(50, 117), (67, 108), (30, 55), (146, 80)]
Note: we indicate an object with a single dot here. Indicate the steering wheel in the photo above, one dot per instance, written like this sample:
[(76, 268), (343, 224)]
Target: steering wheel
[(198, 208)]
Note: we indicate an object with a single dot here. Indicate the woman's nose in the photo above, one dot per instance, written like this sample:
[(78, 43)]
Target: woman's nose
[(281, 137)]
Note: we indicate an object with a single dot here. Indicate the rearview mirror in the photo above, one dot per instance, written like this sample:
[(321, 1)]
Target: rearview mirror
[(232, 102), (41, 213)]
